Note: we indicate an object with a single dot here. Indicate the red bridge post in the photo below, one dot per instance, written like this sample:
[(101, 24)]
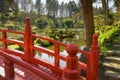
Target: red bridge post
[(9, 69), (27, 40), (4, 36), (71, 72), (93, 66)]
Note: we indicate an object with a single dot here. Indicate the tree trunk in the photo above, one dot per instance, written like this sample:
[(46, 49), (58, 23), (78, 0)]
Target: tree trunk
[(117, 5), (105, 11), (87, 13)]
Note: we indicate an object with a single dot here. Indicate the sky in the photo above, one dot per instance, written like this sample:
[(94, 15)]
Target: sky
[(65, 1), (96, 4)]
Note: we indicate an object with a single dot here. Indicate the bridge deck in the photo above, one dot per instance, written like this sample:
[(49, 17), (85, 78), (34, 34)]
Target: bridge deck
[(20, 73), (24, 74)]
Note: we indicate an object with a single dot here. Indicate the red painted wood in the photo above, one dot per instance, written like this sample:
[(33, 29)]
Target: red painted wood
[(14, 52), (32, 44), (9, 68), (50, 40), (71, 71), (73, 68), (93, 66), (56, 52), (82, 66), (84, 52), (20, 43), (27, 40), (4, 36), (27, 66)]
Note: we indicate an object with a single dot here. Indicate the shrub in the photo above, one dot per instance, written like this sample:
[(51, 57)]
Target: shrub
[(43, 43), (60, 34), (41, 23), (109, 37), (98, 21), (78, 24), (69, 23)]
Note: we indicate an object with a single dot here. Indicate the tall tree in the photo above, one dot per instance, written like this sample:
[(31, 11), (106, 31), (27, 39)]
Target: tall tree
[(38, 7), (8, 9), (25, 5), (72, 8), (1, 6), (52, 7), (48, 3), (61, 12), (105, 11), (87, 13), (117, 4)]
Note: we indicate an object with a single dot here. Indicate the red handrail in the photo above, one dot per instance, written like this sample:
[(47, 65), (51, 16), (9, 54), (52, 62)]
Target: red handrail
[(91, 67), (27, 66)]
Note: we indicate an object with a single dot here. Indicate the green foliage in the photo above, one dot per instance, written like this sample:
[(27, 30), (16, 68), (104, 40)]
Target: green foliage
[(107, 37), (9, 25), (41, 23), (98, 21), (72, 8), (56, 24), (78, 24), (103, 29), (117, 40), (110, 17), (104, 50), (20, 48), (52, 7), (1, 25), (60, 34), (42, 43), (7, 11), (69, 23)]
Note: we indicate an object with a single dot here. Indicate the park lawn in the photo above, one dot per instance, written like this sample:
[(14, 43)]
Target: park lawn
[(13, 46)]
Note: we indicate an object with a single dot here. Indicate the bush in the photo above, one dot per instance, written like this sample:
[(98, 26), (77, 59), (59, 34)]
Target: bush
[(98, 21), (9, 25), (41, 23), (43, 43), (69, 23), (60, 34), (78, 24), (108, 36)]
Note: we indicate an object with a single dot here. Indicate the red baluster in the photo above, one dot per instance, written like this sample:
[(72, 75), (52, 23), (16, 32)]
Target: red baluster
[(56, 48), (71, 72), (93, 67), (9, 69), (27, 40), (4, 37)]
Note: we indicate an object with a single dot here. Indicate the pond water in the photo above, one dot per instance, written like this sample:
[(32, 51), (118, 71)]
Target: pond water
[(78, 40), (50, 59)]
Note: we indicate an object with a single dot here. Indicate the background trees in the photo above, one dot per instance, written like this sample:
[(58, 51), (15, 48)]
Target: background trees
[(8, 9), (72, 8), (38, 6), (52, 8), (61, 15)]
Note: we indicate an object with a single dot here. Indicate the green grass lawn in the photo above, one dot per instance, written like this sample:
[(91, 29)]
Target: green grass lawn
[(13, 46)]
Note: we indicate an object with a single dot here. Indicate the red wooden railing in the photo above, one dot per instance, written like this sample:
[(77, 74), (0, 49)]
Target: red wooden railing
[(73, 66)]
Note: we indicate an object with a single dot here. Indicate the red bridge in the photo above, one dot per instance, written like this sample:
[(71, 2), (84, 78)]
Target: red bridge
[(18, 65)]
